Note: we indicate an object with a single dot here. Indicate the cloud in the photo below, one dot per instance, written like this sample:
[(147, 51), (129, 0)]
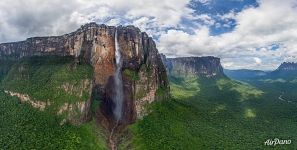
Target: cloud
[(204, 2), (273, 22), (258, 61), (261, 37), (21, 19)]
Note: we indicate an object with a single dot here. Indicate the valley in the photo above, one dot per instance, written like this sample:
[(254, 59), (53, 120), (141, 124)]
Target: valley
[(216, 121)]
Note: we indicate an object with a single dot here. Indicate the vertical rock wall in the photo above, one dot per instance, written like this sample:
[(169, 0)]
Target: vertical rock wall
[(143, 71)]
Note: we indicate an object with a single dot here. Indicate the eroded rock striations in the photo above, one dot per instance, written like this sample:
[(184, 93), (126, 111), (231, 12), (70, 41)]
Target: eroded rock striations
[(26, 98), (143, 72), (194, 66)]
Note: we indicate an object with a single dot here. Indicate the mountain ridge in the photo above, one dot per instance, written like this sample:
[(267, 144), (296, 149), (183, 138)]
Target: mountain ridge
[(286, 70), (205, 66), (288, 66), (245, 73)]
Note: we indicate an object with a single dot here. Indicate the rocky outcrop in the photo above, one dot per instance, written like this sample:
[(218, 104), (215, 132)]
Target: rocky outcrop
[(78, 89), (41, 105), (78, 111), (95, 45), (194, 66), (74, 112)]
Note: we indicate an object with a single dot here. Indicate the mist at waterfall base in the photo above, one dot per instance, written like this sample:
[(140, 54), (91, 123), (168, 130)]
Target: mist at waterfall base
[(118, 97)]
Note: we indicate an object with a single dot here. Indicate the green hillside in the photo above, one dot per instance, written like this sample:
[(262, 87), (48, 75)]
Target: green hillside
[(215, 114), (202, 113), (41, 78), (24, 127)]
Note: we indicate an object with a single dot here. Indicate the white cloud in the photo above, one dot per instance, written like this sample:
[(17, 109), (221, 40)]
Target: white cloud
[(258, 61), (21, 19), (203, 19), (273, 22), (204, 2), (227, 16), (249, 45)]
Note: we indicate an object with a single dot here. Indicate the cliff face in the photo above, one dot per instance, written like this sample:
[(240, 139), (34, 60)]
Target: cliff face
[(143, 71), (194, 66)]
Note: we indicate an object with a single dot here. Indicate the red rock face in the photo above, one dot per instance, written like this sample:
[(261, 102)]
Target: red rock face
[(143, 71)]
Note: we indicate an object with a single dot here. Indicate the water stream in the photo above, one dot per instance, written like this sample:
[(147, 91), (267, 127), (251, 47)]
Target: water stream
[(118, 97)]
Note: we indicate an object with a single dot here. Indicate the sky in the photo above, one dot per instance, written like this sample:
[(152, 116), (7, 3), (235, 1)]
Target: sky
[(250, 34)]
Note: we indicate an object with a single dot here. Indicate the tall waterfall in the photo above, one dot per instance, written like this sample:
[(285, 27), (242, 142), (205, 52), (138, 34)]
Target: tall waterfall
[(118, 97)]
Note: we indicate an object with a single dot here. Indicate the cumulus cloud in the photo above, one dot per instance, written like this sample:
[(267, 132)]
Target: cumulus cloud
[(21, 19), (263, 36), (273, 22), (258, 61)]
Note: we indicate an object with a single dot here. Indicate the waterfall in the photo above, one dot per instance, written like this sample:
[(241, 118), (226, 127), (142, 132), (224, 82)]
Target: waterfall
[(118, 97)]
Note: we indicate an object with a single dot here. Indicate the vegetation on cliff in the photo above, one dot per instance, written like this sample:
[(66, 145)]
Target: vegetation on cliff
[(5, 66), (54, 79), (203, 113), (23, 127)]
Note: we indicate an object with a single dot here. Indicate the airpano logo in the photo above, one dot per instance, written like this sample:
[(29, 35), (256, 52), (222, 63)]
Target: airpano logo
[(276, 141)]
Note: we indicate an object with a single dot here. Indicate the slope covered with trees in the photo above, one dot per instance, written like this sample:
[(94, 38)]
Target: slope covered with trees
[(215, 114), (25, 127)]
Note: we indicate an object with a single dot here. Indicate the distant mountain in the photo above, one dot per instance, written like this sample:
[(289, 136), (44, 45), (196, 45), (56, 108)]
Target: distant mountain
[(288, 66), (194, 66), (287, 70), (245, 74)]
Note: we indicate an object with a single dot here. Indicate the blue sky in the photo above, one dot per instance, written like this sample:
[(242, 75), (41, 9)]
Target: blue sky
[(217, 8), (252, 34)]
